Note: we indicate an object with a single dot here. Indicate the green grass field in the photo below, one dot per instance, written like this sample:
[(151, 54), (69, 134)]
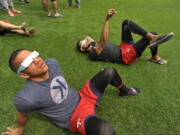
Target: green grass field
[(156, 111)]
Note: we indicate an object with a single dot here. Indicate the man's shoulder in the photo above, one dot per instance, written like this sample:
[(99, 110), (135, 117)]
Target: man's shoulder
[(23, 103), (93, 54), (29, 94), (21, 97), (24, 92), (51, 61)]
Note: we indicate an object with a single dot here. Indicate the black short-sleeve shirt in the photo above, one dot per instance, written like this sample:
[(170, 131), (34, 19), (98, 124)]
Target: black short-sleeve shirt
[(110, 53)]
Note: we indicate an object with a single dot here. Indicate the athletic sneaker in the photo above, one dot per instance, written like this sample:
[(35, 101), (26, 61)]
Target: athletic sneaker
[(161, 39), (58, 15), (131, 92), (49, 15)]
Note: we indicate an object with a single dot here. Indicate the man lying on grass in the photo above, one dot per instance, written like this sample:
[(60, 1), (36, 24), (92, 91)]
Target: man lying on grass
[(128, 51), (47, 92), (7, 27)]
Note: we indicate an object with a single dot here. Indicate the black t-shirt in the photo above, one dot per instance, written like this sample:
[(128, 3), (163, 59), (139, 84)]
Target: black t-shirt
[(110, 53)]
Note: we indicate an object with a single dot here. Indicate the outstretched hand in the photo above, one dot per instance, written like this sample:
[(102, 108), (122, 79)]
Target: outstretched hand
[(11, 131), (110, 13)]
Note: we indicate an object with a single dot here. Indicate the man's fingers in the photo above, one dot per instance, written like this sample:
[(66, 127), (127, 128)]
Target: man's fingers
[(8, 128), (5, 133), (112, 12)]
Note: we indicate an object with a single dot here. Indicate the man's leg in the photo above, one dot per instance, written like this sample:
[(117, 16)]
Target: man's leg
[(155, 57), (78, 3), (55, 7), (21, 32), (142, 44), (110, 76), (129, 26), (154, 50), (126, 35), (45, 5), (70, 3), (11, 5), (30, 32), (10, 26), (153, 38), (24, 1), (6, 6), (97, 126)]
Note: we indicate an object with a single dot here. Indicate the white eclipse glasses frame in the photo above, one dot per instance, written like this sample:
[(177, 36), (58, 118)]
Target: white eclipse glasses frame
[(27, 61), (82, 45)]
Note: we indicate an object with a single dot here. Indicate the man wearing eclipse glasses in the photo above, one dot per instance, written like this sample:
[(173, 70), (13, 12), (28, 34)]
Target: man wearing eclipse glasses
[(127, 52), (47, 92)]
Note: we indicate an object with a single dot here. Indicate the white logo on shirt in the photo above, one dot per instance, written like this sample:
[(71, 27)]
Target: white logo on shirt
[(59, 89)]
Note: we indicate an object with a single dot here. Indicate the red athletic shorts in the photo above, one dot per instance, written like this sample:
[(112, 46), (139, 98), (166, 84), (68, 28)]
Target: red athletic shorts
[(128, 53), (85, 108)]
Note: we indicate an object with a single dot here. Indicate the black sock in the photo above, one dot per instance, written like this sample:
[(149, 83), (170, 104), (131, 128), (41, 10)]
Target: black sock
[(122, 88)]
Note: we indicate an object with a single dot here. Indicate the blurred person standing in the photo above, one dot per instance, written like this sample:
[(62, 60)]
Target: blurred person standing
[(54, 6), (9, 6), (77, 3)]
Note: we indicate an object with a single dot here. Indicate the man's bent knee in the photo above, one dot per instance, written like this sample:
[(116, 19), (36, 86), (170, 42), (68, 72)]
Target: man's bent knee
[(125, 22), (109, 71), (155, 33), (97, 126)]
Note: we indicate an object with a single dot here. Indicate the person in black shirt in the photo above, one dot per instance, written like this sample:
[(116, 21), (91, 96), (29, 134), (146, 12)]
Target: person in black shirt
[(128, 51)]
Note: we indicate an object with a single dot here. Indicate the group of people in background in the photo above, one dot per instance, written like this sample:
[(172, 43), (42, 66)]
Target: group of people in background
[(9, 7), (12, 11), (7, 27)]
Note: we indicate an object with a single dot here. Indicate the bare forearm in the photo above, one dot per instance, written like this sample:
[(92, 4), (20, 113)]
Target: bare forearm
[(105, 31), (21, 122), (103, 37), (9, 26)]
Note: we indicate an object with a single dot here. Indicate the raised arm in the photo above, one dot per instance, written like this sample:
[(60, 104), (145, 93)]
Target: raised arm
[(21, 122), (105, 31)]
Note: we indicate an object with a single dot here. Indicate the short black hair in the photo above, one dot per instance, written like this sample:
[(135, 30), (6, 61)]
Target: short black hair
[(78, 46), (12, 64)]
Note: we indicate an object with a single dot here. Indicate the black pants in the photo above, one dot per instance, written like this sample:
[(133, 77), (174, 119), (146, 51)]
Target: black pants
[(2, 32), (129, 27), (95, 125)]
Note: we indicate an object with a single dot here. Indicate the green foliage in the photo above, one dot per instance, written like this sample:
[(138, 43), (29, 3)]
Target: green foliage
[(154, 112)]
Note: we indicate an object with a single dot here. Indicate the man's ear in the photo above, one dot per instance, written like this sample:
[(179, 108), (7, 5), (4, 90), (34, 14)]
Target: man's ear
[(24, 75)]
